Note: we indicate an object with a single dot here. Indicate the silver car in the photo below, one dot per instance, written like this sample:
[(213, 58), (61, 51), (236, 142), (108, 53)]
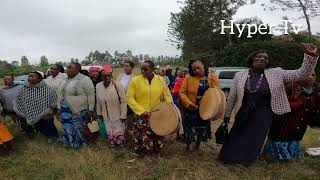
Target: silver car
[(225, 75)]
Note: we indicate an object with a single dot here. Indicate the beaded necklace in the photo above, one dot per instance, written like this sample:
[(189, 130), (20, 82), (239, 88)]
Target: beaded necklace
[(257, 85)]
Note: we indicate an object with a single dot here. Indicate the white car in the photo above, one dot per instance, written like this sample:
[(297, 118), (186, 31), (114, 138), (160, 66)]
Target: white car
[(226, 75)]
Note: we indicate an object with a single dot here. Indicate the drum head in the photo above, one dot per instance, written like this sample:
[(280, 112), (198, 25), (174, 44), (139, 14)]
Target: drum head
[(209, 104), (222, 107), (164, 119)]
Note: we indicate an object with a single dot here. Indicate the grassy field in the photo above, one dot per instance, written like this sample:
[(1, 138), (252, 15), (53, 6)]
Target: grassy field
[(35, 159)]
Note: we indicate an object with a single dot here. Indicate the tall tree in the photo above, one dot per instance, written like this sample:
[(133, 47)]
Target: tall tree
[(140, 57), (196, 28), (44, 61), (116, 54), (74, 60), (108, 57), (309, 8), (24, 61), (146, 57), (129, 54), (15, 63)]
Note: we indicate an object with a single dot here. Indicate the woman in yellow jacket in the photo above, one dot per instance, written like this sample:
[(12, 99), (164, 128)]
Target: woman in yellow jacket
[(144, 92), (191, 92)]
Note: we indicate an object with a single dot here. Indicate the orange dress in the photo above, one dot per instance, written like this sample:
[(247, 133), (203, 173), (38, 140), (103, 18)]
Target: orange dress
[(5, 136)]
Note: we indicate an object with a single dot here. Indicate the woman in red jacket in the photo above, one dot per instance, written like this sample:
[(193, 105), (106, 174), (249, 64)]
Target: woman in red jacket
[(176, 88), (288, 130)]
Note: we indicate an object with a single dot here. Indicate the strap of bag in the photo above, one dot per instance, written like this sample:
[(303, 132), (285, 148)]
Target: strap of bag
[(115, 86)]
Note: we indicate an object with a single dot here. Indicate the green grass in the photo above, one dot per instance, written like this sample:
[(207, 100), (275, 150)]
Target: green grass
[(35, 159)]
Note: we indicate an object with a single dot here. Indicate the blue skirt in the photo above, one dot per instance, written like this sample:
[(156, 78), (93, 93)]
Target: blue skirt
[(73, 126), (283, 150)]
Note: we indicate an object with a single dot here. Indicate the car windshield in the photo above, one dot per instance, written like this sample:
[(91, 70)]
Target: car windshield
[(19, 78), (227, 74)]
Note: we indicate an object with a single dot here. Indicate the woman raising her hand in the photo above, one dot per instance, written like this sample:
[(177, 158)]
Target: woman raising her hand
[(258, 94)]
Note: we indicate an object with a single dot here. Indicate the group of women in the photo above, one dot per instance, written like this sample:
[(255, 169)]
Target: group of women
[(258, 95)]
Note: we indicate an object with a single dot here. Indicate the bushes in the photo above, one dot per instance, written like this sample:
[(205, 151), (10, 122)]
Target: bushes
[(22, 70), (288, 55)]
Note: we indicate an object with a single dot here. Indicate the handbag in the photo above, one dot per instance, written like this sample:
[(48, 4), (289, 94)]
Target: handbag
[(93, 126), (222, 133)]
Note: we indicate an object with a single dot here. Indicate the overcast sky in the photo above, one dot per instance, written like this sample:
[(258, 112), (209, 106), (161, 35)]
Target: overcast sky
[(72, 28)]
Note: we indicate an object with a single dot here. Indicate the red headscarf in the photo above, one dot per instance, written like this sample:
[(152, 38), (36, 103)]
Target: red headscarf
[(94, 69), (106, 68)]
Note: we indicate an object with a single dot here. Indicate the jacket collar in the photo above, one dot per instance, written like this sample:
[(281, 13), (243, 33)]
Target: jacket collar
[(77, 77)]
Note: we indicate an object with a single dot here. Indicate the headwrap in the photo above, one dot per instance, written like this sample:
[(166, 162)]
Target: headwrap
[(94, 69), (106, 68), (39, 74)]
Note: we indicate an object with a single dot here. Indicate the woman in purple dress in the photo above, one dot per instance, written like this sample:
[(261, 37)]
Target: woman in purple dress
[(257, 94)]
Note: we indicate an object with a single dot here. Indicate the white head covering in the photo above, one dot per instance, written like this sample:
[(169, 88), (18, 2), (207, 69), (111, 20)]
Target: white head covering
[(42, 74)]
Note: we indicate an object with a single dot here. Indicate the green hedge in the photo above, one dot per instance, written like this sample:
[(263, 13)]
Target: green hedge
[(22, 70), (287, 55)]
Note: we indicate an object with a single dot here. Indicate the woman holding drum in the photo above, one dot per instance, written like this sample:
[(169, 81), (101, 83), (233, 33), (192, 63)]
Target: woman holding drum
[(197, 129), (144, 93)]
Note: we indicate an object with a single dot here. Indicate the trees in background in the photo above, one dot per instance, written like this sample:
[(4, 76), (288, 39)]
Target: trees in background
[(24, 61), (309, 9), (44, 61), (195, 30)]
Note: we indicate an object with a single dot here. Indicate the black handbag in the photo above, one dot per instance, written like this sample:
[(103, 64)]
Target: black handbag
[(222, 133)]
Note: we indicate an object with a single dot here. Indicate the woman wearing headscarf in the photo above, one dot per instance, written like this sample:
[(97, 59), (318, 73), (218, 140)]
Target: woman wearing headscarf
[(112, 107), (94, 75), (144, 92), (177, 85), (77, 107), (258, 94), (287, 130), (191, 92), (8, 95), (35, 103)]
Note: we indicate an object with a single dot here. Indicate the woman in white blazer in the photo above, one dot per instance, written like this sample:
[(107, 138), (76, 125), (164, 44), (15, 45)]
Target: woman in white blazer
[(256, 95)]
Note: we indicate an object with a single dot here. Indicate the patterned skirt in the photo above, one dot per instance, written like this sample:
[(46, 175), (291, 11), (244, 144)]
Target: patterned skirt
[(116, 132), (283, 150), (74, 126), (145, 140)]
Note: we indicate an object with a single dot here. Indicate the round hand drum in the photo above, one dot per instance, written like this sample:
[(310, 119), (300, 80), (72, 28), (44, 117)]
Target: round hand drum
[(222, 107), (164, 119), (210, 104)]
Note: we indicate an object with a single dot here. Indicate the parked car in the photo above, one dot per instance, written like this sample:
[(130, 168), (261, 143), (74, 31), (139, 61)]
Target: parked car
[(226, 75), (21, 79)]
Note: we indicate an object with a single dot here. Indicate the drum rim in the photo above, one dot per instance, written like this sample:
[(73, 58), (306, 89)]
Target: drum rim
[(218, 102), (154, 129)]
